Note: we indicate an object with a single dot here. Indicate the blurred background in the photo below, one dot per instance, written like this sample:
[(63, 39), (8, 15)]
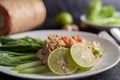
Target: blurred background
[(75, 7), (25, 15)]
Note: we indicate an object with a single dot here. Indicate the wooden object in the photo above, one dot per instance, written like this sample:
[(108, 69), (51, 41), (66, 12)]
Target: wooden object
[(20, 15)]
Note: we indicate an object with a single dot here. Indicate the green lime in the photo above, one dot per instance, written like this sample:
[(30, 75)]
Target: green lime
[(63, 19), (60, 62), (82, 56)]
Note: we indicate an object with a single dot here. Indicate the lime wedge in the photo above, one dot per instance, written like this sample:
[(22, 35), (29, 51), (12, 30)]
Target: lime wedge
[(60, 62), (82, 56)]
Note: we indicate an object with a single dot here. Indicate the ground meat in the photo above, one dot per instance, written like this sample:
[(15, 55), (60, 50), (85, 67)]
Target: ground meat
[(43, 55), (49, 45)]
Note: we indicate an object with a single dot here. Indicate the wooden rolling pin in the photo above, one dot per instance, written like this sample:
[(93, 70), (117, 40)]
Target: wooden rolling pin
[(20, 15)]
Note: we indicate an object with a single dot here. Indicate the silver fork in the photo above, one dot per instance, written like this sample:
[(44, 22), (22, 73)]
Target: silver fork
[(105, 35)]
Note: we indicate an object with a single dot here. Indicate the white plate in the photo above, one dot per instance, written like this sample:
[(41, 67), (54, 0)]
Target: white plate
[(109, 59)]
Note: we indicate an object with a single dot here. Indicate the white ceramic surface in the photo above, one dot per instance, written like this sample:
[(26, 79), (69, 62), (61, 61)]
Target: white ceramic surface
[(110, 58)]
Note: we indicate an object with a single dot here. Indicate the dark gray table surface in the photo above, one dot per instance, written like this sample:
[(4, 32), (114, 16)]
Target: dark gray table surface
[(76, 8)]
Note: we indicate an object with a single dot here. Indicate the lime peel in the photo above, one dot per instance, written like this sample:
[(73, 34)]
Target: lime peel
[(63, 19), (60, 62), (82, 56)]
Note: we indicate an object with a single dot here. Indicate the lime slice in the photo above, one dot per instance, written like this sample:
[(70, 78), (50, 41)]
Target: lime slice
[(60, 62), (82, 56)]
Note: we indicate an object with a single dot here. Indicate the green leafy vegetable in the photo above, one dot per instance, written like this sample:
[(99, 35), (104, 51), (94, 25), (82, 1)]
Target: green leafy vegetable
[(12, 58), (20, 48), (20, 52), (5, 39), (35, 70), (107, 11), (26, 44), (99, 14), (94, 9), (27, 65)]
